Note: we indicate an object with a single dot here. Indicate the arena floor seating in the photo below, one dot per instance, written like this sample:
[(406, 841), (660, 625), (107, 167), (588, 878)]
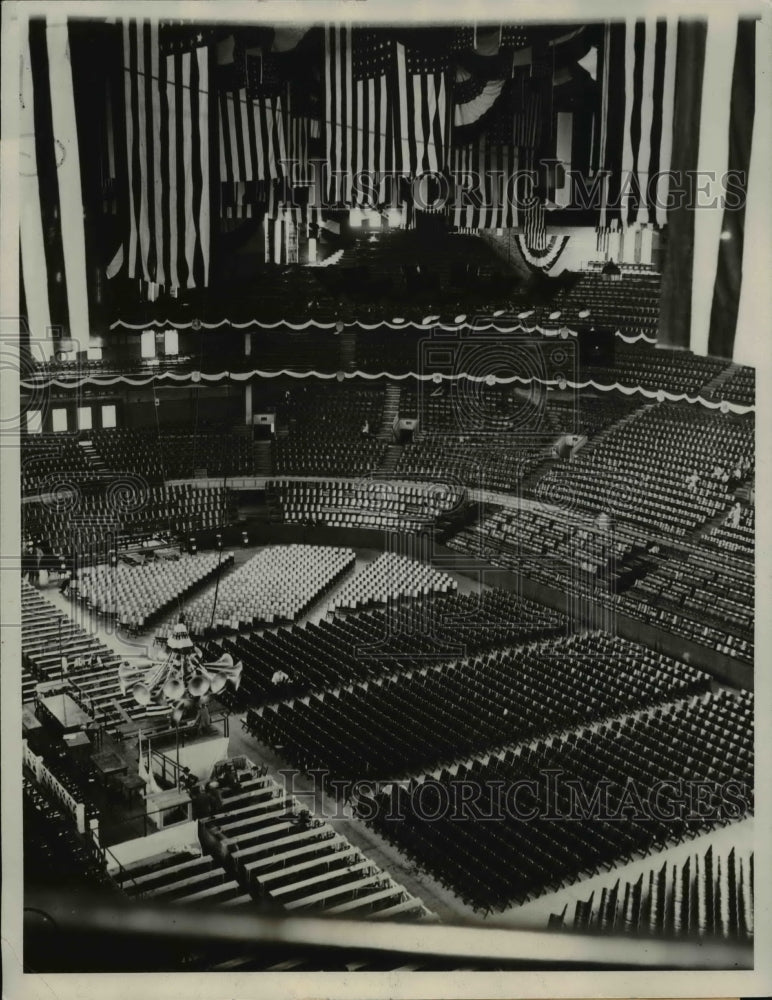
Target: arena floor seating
[(710, 895), (389, 578), (491, 865), (363, 645), (134, 595), (441, 713), (276, 585)]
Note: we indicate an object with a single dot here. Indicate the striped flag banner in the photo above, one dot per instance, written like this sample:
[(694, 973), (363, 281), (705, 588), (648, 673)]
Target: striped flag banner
[(648, 91), (484, 197), (166, 88), (532, 216), (422, 111), (298, 134), (527, 118), (533, 225), (53, 258), (253, 145), (357, 115)]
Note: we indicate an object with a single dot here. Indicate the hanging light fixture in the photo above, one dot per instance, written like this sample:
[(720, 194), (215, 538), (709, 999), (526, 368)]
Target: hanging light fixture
[(183, 681)]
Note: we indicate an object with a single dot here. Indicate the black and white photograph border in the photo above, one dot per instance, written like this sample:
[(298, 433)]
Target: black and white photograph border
[(380, 575)]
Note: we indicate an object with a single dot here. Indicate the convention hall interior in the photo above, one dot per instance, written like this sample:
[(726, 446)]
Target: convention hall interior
[(387, 485)]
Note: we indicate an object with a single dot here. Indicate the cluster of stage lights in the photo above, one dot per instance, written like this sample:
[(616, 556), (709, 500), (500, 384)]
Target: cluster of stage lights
[(182, 680)]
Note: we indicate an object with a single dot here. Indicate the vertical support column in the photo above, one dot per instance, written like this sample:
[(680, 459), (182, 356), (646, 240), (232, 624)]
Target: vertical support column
[(248, 409), (647, 244)]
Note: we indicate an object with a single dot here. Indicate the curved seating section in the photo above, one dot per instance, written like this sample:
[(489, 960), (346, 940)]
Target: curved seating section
[(92, 668), (588, 413), (639, 470), (483, 463), (177, 451), (312, 454), (472, 407), (677, 372), (437, 715), (276, 585), (369, 644), (740, 385), (557, 548), (490, 459), (129, 516), (325, 435), (628, 302), (391, 577), (49, 459), (278, 854), (734, 539), (703, 594), (369, 503), (133, 595), (703, 591), (710, 894), (494, 864)]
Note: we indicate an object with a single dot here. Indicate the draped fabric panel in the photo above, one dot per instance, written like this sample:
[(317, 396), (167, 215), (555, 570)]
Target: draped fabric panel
[(729, 269), (51, 217), (676, 288)]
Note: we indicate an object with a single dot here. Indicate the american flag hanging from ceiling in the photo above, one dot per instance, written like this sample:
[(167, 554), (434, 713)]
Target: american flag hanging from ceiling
[(422, 109), (166, 91), (358, 125)]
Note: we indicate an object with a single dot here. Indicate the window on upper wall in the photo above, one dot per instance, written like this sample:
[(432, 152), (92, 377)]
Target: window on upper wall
[(108, 415), (34, 421), (59, 419), (84, 418), (148, 344), (171, 343)]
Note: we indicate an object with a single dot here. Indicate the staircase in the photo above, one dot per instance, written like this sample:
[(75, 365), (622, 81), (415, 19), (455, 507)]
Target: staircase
[(390, 411), (713, 389), (618, 424), (94, 459), (530, 480), (262, 452), (388, 466)]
